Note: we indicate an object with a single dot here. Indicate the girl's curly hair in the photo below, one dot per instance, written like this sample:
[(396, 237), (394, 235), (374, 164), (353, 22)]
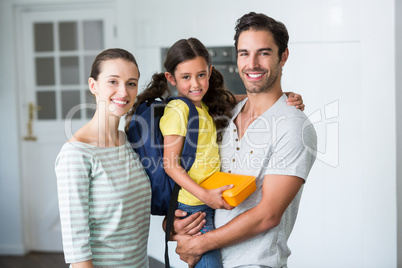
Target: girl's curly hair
[(219, 100)]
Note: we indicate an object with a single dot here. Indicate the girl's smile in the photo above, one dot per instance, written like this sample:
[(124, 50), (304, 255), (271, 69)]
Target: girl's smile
[(191, 79)]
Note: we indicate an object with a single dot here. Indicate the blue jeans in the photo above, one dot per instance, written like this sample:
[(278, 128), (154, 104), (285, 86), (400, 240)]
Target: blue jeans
[(210, 259)]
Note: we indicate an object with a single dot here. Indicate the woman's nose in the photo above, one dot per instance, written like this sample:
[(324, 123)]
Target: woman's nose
[(122, 91)]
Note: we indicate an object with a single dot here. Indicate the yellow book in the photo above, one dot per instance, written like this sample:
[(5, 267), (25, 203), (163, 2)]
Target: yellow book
[(243, 186)]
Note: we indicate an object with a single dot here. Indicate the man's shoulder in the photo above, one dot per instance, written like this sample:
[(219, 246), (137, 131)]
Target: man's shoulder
[(289, 121)]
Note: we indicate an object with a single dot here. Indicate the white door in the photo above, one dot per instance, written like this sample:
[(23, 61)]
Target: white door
[(56, 48)]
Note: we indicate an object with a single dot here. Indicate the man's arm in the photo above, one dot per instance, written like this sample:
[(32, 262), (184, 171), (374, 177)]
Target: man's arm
[(278, 191)]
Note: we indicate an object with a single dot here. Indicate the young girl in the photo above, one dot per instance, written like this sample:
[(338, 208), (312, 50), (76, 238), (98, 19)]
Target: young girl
[(104, 192), (189, 69)]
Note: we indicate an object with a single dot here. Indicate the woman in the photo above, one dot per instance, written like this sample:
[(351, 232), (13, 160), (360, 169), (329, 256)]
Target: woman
[(104, 193)]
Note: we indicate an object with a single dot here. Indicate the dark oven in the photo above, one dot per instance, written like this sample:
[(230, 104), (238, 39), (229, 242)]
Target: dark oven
[(224, 60)]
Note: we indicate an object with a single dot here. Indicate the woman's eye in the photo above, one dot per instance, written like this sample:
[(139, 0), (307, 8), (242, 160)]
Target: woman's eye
[(113, 82), (132, 84), (201, 75)]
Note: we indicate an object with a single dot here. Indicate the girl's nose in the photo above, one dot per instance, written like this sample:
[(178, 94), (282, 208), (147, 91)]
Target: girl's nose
[(195, 83)]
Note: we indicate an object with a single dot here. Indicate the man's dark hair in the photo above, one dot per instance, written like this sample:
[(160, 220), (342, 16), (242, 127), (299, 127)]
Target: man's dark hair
[(261, 22)]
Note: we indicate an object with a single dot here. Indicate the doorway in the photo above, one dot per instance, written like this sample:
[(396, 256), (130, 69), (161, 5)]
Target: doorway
[(56, 46)]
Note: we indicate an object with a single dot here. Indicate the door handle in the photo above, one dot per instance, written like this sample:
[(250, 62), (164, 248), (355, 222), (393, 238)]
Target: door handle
[(32, 109)]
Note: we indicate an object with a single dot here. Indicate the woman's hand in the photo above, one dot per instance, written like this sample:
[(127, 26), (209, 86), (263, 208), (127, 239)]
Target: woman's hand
[(295, 100)]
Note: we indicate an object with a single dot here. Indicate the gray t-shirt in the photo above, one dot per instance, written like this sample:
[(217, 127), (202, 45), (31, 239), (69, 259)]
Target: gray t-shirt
[(281, 141)]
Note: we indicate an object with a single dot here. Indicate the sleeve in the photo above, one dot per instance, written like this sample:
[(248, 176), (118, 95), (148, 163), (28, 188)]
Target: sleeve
[(73, 171), (175, 118), (294, 150)]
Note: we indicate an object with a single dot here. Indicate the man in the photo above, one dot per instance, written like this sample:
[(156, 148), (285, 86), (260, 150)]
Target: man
[(265, 138)]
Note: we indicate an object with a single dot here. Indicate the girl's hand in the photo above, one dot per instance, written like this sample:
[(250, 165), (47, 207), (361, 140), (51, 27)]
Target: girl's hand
[(214, 198), (295, 100)]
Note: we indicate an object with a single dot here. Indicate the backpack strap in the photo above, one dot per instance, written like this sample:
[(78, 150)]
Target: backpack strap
[(187, 160)]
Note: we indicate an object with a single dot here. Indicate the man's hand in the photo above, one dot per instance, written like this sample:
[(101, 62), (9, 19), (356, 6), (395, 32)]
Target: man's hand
[(186, 248), (188, 226)]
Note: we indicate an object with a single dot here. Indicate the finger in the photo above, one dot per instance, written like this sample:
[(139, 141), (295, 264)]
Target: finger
[(227, 206), (293, 97), (180, 213), (196, 230), (225, 187), (197, 234), (296, 97), (190, 225), (175, 237), (295, 103)]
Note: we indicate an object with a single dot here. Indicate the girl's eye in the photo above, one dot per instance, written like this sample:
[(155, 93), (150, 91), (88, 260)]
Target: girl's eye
[(113, 82), (201, 75), (132, 84), (186, 77)]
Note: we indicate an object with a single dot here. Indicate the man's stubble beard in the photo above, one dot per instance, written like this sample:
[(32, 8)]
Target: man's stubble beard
[(266, 86)]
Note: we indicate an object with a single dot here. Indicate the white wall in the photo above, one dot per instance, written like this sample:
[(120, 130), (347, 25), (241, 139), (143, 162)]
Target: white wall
[(398, 99), (342, 58)]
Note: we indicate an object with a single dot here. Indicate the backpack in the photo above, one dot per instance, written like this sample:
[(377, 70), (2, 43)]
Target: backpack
[(147, 141)]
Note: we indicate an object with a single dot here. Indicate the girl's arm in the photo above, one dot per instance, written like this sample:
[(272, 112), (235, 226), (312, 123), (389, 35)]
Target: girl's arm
[(173, 145), (293, 99)]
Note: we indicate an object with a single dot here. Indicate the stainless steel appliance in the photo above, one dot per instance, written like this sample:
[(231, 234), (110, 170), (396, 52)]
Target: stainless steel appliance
[(224, 60)]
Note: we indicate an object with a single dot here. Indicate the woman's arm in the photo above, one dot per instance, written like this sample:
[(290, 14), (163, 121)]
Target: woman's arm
[(173, 145), (84, 264), (73, 166)]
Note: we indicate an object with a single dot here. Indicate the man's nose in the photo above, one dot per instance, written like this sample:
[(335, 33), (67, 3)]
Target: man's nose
[(253, 62)]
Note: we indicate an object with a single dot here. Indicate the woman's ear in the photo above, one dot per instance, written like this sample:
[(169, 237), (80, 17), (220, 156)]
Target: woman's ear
[(91, 84), (170, 78)]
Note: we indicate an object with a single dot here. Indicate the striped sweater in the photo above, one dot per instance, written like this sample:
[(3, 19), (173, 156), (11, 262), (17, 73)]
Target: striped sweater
[(104, 201)]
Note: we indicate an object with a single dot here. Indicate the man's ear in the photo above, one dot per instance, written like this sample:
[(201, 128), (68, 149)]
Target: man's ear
[(170, 78), (91, 84), (284, 58)]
